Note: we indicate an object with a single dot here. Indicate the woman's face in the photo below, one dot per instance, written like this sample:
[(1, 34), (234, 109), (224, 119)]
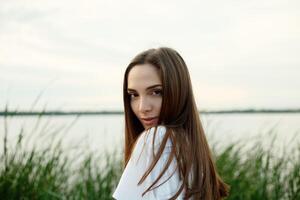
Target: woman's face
[(145, 91)]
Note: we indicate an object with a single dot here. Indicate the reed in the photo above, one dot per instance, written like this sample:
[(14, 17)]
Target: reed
[(41, 169), (50, 172), (259, 171)]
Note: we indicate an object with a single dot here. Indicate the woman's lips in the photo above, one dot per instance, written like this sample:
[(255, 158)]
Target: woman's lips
[(150, 121)]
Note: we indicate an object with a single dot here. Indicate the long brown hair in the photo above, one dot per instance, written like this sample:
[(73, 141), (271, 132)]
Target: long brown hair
[(180, 116)]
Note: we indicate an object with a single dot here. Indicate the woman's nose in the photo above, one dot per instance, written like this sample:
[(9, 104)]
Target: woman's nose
[(145, 105)]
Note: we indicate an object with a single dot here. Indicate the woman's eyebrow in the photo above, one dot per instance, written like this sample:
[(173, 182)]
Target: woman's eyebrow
[(148, 88), (130, 90), (153, 86)]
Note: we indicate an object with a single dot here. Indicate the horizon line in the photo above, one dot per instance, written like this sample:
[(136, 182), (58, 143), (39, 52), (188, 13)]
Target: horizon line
[(7, 112)]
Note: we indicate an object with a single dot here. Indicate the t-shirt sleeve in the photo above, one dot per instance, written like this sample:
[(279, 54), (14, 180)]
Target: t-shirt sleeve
[(142, 157)]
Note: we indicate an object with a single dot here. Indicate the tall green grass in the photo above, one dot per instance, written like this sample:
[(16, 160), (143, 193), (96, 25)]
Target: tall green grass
[(44, 169), (260, 171), (49, 172)]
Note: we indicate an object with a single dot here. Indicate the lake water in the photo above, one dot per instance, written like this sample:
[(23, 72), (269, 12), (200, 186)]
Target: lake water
[(105, 132)]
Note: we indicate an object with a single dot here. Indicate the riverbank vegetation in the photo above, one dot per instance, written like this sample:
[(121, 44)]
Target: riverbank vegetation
[(50, 171)]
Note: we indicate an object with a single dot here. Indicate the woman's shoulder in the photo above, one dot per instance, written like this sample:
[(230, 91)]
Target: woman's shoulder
[(140, 160), (155, 133), (152, 138)]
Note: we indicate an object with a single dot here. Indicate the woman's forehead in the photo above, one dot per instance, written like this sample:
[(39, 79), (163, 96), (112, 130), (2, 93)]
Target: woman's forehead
[(143, 76)]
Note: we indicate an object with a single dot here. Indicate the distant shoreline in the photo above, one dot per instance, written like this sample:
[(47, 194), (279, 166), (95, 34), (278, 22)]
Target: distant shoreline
[(68, 113)]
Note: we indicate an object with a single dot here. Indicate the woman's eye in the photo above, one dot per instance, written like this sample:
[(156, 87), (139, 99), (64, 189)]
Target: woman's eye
[(157, 92), (132, 95)]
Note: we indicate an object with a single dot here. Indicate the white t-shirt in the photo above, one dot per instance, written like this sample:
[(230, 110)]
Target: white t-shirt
[(141, 158)]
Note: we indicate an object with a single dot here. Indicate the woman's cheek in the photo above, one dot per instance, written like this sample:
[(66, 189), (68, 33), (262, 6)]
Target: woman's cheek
[(158, 103), (134, 106)]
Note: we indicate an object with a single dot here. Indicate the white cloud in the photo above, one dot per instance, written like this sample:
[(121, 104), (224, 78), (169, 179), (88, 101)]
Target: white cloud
[(236, 50)]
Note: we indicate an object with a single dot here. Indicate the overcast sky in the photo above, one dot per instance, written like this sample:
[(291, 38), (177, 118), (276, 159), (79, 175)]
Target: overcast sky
[(241, 54)]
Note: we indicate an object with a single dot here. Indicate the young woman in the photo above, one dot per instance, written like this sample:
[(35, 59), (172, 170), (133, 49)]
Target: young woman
[(166, 152)]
